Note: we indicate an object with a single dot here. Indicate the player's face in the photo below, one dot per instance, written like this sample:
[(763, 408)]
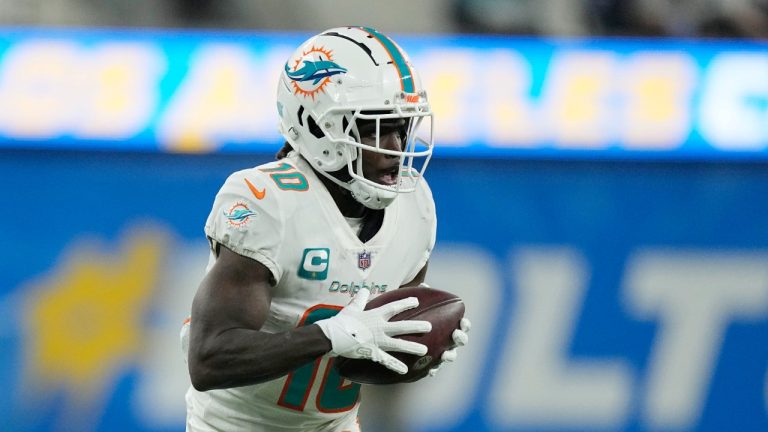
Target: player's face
[(377, 167)]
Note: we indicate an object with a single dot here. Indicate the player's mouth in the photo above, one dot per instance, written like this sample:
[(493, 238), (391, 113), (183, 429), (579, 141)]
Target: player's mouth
[(388, 176)]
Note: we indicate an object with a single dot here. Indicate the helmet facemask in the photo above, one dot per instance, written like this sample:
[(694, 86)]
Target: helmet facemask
[(378, 189)]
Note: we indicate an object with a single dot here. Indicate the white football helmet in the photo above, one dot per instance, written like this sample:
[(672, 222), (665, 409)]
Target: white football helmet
[(344, 75)]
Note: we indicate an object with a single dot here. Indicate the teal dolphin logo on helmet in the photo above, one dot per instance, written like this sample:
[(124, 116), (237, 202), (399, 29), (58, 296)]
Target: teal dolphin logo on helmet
[(315, 71), (311, 71)]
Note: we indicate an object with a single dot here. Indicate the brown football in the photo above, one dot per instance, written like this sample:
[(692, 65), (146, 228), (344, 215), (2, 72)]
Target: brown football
[(444, 310)]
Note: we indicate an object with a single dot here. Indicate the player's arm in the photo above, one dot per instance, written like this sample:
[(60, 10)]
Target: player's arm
[(226, 347)]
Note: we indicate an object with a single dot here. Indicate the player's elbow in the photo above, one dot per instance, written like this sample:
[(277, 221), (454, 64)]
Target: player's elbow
[(202, 376), (202, 373), (202, 383)]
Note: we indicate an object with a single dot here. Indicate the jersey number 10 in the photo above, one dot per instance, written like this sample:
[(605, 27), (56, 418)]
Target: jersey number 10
[(333, 395), (287, 178)]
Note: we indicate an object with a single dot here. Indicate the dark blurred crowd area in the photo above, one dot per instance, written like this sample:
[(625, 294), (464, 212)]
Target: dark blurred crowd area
[(649, 18)]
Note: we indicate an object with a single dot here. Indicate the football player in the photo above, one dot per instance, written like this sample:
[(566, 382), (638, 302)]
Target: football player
[(344, 212)]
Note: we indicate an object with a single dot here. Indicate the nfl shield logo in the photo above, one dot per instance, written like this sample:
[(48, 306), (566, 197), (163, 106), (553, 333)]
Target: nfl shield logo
[(363, 260)]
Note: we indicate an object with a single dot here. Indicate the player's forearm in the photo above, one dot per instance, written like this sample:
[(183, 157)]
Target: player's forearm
[(240, 357)]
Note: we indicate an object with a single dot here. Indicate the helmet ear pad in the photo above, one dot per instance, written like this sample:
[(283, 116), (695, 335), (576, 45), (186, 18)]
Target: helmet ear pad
[(327, 154)]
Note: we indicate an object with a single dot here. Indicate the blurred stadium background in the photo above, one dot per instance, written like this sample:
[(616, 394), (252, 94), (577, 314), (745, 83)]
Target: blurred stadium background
[(601, 179)]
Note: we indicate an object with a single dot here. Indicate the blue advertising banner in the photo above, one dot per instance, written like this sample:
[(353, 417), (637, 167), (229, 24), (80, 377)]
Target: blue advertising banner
[(203, 92), (604, 295)]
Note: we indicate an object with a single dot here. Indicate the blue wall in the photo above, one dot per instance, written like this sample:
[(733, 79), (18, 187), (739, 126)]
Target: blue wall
[(624, 227)]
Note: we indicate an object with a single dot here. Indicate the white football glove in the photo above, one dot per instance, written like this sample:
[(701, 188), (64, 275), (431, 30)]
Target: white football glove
[(367, 334), (460, 338)]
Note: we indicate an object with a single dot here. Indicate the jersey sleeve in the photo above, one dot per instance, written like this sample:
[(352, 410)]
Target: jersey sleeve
[(246, 218)]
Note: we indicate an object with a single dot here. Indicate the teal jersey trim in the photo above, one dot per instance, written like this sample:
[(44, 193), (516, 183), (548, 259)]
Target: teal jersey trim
[(406, 77)]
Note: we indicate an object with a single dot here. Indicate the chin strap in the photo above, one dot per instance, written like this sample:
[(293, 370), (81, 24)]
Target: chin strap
[(371, 197), (367, 195)]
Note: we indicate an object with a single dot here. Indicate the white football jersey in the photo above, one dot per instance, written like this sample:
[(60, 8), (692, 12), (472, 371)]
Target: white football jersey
[(281, 215)]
